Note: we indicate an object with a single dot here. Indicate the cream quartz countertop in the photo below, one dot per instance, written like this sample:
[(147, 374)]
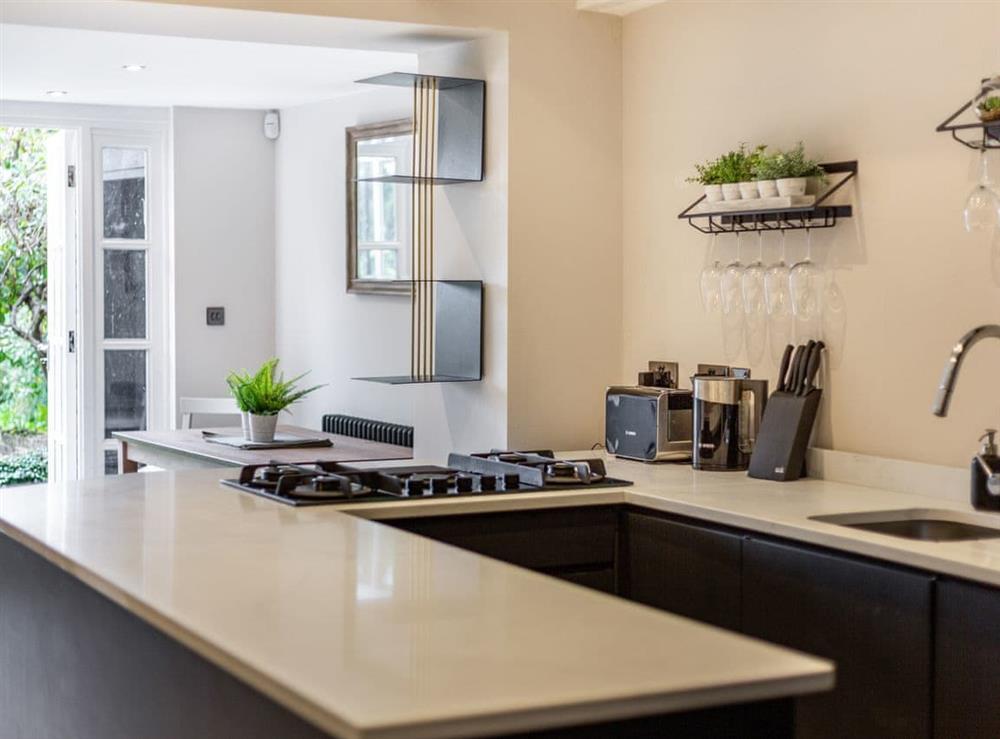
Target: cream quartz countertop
[(368, 631)]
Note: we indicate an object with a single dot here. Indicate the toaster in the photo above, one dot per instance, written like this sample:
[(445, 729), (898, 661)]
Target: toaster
[(648, 423)]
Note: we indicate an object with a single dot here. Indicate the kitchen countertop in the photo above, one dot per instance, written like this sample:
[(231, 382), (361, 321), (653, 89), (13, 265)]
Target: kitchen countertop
[(782, 509), (368, 631)]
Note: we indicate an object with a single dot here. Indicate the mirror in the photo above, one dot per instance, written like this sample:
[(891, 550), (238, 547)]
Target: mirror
[(379, 222)]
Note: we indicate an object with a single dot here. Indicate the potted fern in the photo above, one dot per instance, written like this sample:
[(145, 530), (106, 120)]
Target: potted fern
[(261, 396)]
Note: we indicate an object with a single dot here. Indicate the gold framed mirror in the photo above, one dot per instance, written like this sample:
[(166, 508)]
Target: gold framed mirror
[(379, 217)]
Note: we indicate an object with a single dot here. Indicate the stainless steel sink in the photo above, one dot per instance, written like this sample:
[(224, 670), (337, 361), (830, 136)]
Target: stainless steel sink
[(922, 524)]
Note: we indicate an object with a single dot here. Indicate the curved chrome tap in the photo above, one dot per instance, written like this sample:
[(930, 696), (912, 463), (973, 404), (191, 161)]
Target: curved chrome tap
[(947, 386)]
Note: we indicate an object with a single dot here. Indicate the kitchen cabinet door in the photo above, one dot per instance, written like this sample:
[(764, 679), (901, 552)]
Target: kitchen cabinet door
[(966, 661), (577, 544), (872, 620), (684, 568)]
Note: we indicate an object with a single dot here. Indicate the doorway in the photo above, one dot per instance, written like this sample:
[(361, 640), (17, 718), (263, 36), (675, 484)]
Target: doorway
[(38, 214)]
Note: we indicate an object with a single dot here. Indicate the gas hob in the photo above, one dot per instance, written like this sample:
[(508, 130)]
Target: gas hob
[(490, 473)]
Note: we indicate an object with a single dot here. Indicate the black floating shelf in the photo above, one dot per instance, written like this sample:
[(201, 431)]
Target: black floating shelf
[(405, 179), (817, 215), (461, 120), (458, 335), (977, 134)]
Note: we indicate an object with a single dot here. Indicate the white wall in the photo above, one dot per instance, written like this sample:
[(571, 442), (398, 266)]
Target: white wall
[(224, 190), (338, 335), (866, 81), (321, 327)]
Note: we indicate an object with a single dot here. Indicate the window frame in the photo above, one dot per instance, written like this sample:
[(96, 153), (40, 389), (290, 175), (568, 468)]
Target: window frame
[(355, 284)]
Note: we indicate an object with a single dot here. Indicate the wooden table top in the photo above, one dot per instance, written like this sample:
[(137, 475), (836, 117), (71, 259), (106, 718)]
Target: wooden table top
[(190, 442)]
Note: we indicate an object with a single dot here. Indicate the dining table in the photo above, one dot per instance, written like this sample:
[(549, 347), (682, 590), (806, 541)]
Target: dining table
[(191, 449)]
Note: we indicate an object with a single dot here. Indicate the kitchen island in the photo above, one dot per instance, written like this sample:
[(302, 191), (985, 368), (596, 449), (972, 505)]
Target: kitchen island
[(169, 605)]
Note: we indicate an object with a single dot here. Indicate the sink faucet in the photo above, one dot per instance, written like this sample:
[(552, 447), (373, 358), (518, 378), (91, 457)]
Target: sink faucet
[(943, 398), (986, 464)]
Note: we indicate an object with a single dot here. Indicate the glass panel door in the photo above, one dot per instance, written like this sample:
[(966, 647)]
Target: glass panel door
[(128, 265)]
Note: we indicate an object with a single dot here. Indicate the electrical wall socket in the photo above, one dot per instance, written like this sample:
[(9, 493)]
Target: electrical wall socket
[(215, 316), (672, 367)]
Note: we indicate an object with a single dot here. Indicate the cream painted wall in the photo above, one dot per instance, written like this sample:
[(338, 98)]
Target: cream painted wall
[(223, 191), (564, 193), (866, 81)]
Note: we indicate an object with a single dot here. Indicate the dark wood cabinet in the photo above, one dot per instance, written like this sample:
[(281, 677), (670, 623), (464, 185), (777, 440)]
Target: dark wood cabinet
[(688, 569), (873, 620), (577, 544), (966, 661)]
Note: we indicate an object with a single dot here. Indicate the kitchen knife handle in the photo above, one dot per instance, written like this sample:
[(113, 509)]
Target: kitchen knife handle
[(786, 357), (813, 368), (793, 369), (804, 362)]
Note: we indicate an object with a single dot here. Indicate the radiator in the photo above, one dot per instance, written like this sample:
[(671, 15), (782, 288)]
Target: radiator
[(366, 428)]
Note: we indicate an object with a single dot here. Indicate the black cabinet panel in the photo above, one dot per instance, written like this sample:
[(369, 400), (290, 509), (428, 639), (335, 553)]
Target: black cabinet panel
[(873, 620), (687, 569), (538, 539), (967, 661)]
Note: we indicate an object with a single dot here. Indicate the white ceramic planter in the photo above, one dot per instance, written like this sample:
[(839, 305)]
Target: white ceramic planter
[(713, 193), (767, 188), (262, 427), (748, 191), (731, 191), (245, 424), (791, 186)]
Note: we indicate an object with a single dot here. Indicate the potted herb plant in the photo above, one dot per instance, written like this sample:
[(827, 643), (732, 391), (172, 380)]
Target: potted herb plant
[(988, 109), (790, 171), (261, 396), (710, 178)]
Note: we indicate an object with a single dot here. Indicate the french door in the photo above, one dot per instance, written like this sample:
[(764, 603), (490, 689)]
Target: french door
[(126, 307), (62, 230)]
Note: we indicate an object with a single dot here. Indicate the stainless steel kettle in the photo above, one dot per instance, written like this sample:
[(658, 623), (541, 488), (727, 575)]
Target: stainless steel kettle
[(726, 418)]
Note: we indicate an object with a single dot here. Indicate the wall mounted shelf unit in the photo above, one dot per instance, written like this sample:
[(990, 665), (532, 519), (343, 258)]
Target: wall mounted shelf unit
[(974, 134), (460, 126), (456, 341), (820, 214), (446, 316)]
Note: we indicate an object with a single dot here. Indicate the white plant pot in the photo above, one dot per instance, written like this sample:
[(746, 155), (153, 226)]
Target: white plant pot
[(245, 424), (262, 427), (731, 191), (748, 191), (713, 193), (791, 186), (767, 188)]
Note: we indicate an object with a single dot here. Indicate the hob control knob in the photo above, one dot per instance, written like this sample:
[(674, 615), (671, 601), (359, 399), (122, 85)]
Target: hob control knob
[(512, 481), (463, 483), (415, 486), (488, 482), (439, 484)]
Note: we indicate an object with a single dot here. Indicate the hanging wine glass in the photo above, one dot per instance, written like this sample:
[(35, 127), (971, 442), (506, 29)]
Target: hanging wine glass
[(710, 281), (804, 285), (753, 282), (778, 299), (732, 282), (982, 208)]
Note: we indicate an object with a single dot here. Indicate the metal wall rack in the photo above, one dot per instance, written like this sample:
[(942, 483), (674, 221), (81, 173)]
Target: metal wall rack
[(818, 215), (985, 135)]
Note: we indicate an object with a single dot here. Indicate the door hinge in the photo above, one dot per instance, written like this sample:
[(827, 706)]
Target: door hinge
[(71, 175), (71, 342)]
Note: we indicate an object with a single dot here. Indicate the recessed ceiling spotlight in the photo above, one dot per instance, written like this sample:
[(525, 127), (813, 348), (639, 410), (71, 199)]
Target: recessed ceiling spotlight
[(56, 93), (133, 67)]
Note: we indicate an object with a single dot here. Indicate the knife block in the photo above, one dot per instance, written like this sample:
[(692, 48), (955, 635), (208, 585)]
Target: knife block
[(780, 451)]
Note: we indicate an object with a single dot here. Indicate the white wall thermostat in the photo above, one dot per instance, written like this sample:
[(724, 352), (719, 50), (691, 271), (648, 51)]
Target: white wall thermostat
[(272, 124)]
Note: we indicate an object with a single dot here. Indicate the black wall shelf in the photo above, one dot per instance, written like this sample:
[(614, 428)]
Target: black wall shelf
[(976, 134), (461, 120), (458, 335), (818, 215)]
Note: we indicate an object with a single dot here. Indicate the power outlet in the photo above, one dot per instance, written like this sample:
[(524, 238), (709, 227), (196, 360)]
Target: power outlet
[(658, 367), (215, 316)]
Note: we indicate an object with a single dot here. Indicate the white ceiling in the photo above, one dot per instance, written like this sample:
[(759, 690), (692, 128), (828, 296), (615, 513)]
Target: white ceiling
[(179, 71)]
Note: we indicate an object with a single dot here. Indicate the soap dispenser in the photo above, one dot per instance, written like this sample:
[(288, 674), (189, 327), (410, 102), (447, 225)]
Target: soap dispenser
[(986, 474)]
